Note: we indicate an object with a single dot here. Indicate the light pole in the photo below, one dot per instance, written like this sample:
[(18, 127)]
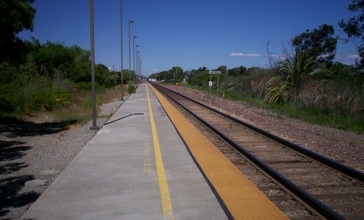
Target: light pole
[(139, 63), (92, 39), (130, 22), (121, 48), (134, 37), (136, 59)]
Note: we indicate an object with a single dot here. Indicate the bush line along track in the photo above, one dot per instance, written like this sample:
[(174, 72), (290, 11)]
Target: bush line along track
[(331, 189)]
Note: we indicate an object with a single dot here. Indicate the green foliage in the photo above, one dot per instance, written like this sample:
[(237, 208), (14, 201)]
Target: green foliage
[(278, 90), (298, 68), (16, 16), (131, 88), (175, 74), (199, 77), (23, 94), (128, 76), (319, 43), (294, 72), (237, 71), (313, 115), (340, 71), (56, 60), (354, 28), (104, 77), (41, 77), (8, 85), (48, 77), (85, 86)]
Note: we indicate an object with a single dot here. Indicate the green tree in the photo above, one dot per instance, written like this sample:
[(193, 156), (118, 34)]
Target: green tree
[(105, 77), (54, 60), (237, 71), (354, 28), (128, 76), (222, 69), (177, 74), (199, 77), (15, 16), (319, 43)]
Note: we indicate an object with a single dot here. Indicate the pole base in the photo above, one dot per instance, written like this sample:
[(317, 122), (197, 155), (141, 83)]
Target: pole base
[(94, 128)]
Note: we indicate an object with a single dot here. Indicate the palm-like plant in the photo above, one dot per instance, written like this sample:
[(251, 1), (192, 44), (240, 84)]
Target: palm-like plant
[(298, 68), (294, 71), (277, 90)]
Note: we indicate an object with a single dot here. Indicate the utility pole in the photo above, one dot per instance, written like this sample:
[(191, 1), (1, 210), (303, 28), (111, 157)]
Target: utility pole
[(121, 49), (94, 126)]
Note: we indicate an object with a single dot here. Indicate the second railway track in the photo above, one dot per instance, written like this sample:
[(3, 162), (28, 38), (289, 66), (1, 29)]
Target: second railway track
[(302, 183)]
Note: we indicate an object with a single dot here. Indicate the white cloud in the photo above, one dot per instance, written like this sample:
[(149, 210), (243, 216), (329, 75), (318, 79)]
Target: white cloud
[(354, 56), (245, 55), (274, 55), (278, 57)]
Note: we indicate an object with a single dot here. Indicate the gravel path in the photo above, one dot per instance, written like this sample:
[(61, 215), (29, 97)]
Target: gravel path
[(34, 154)]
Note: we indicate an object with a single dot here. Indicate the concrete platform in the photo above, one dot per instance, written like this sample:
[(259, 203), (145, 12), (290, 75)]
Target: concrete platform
[(118, 174)]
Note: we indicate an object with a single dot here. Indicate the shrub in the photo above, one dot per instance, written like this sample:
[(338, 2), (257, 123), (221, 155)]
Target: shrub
[(131, 88), (21, 93)]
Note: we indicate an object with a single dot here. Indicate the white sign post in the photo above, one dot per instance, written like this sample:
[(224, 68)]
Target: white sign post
[(210, 85), (215, 72)]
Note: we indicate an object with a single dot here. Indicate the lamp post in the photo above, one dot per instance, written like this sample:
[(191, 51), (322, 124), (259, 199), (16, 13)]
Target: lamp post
[(92, 39), (139, 62), (136, 59), (121, 49), (140, 65), (130, 22), (134, 37)]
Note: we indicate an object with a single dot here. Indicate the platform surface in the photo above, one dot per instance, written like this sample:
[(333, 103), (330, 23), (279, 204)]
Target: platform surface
[(131, 170)]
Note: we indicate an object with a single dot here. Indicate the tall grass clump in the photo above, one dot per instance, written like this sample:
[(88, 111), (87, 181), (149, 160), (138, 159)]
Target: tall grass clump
[(330, 96)]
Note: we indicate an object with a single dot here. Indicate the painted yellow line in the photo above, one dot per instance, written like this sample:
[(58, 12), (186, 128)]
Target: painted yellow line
[(241, 197), (163, 185)]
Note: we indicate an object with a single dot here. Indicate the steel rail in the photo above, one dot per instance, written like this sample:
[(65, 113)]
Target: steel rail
[(306, 197), (353, 173)]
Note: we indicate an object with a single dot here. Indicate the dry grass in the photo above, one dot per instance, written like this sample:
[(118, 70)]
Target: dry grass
[(80, 108), (330, 97)]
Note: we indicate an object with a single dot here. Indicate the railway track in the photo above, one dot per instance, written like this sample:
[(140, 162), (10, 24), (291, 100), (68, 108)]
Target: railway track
[(302, 183)]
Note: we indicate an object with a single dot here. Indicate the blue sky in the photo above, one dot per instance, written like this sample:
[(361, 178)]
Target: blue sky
[(189, 33)]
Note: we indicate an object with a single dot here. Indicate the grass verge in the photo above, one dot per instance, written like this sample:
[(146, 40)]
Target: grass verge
[(79, 110)]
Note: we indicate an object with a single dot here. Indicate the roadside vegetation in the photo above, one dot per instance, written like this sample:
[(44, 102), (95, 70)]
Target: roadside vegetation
[(305, 83), (48, 78)]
